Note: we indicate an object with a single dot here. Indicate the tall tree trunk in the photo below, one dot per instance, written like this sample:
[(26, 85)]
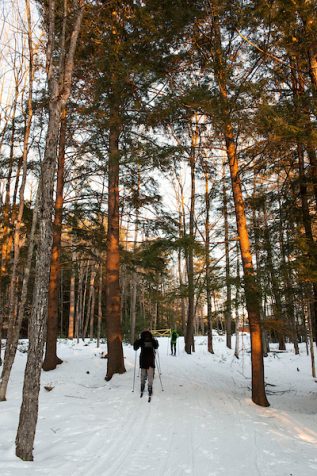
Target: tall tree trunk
[(51, 359), (6, 221), (92, 307), (71, 320), (90, 312), (59, 84), (227, 254), (189, 336), (16, 314), (113, 319), (134, 274), (277, 305), (237, 315), (207, 260), (289, 295), (181, 233), (298, 87), (79, 311), (250, 285), (83, 306), (15, 326), (99, 305)]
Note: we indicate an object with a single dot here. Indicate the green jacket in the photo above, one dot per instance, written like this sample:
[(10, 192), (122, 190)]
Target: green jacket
[(174, 336)]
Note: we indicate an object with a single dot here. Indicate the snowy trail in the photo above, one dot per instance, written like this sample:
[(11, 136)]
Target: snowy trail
[(202, 424)]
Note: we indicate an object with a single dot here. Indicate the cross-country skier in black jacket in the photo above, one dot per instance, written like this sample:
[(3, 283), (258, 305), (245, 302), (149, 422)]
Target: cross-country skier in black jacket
[(148, 345)]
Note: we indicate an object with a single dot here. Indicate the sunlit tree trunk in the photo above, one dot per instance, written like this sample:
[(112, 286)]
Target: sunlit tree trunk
[(251, 290), (113, 319)]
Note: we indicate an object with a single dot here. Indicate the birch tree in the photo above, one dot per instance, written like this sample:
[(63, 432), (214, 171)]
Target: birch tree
[(59, 78)]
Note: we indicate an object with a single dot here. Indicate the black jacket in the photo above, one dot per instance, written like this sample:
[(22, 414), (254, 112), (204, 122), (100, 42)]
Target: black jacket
[(148, 344)]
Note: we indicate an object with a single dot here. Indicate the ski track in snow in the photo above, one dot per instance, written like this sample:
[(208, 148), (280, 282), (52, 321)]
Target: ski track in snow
[(202, 424)]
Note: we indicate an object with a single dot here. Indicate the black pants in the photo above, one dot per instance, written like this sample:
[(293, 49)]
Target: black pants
[(173, 348)]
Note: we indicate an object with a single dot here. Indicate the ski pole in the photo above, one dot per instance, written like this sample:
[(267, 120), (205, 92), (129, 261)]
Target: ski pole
[(159, 375), (134, 371), (158, 362)]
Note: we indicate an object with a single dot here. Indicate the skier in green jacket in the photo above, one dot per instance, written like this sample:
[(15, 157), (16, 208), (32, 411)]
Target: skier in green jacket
[(174, 336)]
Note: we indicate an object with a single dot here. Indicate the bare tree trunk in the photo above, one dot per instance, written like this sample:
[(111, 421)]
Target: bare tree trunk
[(59, 84), (15, 326), (16, 315), (6, 221)]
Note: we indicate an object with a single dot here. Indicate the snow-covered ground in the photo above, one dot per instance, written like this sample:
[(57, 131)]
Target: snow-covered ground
[(203, 423)]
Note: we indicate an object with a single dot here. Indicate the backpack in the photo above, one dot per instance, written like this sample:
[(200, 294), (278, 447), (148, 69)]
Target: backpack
[(148, 343)]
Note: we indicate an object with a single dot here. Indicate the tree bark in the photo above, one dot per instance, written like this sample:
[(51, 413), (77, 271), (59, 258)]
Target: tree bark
[(15, 325), (115, 362), (250, 285), (134, 278), (189, 336), (6, 219), (298, 92), (237, 316), (71, 319), (99, 304), (51, 360), (207, 260), (59, 84), (277, 305), (16, 314), (79, 311), (227, 254)]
